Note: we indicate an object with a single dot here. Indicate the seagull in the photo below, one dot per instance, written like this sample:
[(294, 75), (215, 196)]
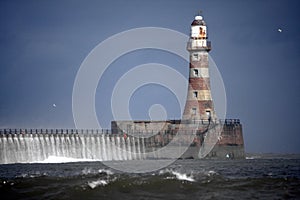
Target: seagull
[(54, 105), (279, 30)]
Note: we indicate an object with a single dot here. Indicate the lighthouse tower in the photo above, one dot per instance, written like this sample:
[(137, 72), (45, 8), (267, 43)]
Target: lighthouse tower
[(199, 104)]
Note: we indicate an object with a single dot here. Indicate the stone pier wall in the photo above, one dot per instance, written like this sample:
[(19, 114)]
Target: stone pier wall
[(228, 145)]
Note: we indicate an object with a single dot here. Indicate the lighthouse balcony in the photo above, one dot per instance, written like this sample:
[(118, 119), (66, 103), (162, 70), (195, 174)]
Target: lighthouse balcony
[(195, 45)]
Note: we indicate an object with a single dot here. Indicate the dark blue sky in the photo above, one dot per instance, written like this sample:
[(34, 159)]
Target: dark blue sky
[(43, 43)]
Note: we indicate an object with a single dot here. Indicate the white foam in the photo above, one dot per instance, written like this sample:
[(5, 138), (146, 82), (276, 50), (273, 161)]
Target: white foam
[(252, 157), (57, 159), (211, 173), (87, 171), (32, 175), (97, 183), (183, 177), (179, 176), (107, 171)]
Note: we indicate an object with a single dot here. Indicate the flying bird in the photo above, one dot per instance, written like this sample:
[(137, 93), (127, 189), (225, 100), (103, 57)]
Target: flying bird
[(279, 30), (54, 105)]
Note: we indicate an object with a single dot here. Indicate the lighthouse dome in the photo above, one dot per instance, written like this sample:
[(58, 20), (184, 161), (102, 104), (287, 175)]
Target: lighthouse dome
[(198, 21)]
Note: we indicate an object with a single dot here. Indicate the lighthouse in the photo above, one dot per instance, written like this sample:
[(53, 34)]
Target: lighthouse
[(199, 103)]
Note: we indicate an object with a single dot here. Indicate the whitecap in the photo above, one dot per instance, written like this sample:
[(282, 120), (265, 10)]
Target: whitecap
[(178, 175), (87, 171), (32, 175), (183, 176), (94, 184), (212, 173), (106, 171)]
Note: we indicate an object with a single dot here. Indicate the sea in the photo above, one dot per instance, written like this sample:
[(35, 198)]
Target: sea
[(259, 176)]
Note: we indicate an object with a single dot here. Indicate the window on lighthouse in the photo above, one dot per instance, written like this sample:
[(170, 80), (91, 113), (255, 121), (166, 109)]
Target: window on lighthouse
[(208, 114), (195, 94), (195, 57), (194, 111), (196, 72)]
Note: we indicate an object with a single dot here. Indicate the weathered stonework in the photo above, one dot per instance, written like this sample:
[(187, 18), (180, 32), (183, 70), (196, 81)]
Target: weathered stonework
[(229, 143)]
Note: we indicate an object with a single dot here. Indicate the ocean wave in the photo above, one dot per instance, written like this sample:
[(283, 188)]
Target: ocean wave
[(178, 175), (212, 173), (252, 157), (32, 175), (185, 179), (94, 184), (91, 171)]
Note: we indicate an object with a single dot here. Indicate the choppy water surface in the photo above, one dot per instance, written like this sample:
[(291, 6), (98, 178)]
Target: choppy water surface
[(259, 176)]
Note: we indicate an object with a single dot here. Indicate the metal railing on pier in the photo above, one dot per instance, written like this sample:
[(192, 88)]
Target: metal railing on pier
[(135, 132), (205, 122), (54, 131)]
